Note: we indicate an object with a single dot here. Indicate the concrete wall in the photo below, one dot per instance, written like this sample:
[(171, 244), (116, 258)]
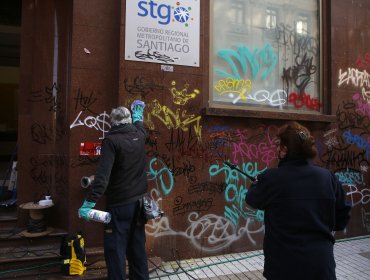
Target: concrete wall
[(205, 214)]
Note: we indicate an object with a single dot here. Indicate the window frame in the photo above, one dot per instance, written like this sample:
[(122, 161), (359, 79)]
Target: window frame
[(300, 19), (273, 13), (212, 109)]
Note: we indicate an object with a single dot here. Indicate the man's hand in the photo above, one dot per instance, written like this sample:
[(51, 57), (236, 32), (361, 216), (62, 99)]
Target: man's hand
[(137, 102), (83, 212), (137, 108)]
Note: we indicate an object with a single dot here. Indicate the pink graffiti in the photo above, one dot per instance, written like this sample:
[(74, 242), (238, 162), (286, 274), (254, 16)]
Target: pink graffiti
[(264, 150), (303, 99), (362, 106)]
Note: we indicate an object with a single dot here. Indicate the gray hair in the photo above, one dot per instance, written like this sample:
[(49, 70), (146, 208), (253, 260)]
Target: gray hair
[(120, 115)]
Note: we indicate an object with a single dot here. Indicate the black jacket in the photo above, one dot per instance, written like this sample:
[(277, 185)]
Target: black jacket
[(121, 170), (303, 204)]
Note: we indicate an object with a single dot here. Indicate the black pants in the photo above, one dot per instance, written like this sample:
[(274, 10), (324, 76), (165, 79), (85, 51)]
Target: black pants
[(124, 237)]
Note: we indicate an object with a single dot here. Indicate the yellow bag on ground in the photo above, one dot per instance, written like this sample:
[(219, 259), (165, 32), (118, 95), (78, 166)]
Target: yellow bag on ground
[(74, 256)]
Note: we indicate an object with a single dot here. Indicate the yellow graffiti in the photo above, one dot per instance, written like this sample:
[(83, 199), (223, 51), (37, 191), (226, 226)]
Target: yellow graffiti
[(176, 119), (182, 96), (149, 122), (229, 85)]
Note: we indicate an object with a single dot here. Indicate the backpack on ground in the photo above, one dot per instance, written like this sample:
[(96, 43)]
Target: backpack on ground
[(73, 252)]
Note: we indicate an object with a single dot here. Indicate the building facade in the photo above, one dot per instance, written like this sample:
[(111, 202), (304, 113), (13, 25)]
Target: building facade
[(218, 78)]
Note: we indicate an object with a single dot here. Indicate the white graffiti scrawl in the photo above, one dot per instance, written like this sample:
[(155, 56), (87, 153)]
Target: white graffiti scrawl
[(99, 122), (209, 233)]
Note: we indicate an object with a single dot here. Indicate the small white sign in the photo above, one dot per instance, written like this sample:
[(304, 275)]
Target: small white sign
[(167, 68), (163, 31)]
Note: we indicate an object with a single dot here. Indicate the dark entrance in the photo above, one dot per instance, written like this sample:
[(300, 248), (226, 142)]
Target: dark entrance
[(10, 34)]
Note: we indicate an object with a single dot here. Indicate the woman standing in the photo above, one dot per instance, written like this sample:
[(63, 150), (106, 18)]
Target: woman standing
[(303, 205)]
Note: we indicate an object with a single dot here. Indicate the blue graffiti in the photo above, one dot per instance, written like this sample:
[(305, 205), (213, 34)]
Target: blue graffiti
[(163, 177), (218, 128), (230, 175), (239, 208), (361, 142), (234, 196), (252, 169), (235, 214), (258, 60), (350, 177)]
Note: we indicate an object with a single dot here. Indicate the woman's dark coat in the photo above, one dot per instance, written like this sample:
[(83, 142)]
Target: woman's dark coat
[(303, 205)]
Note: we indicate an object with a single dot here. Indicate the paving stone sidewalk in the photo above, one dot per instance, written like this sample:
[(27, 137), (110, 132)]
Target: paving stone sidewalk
[(352, 257)]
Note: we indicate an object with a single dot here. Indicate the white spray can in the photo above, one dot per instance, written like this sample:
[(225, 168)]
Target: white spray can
[(100, 216)]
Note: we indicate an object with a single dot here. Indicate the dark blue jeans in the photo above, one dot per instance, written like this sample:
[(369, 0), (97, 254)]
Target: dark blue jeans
[(125, 237)]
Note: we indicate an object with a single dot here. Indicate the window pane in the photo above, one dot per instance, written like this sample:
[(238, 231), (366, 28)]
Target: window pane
[(302, 25), (270, 18), (266, 55)]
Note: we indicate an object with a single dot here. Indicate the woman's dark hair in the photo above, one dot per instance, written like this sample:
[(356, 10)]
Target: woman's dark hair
[(298, 140)]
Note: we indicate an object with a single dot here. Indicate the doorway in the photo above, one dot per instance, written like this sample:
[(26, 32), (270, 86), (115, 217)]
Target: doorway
[(10, 37)]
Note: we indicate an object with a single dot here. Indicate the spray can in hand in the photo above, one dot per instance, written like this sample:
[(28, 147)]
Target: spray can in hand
[(99, 216)]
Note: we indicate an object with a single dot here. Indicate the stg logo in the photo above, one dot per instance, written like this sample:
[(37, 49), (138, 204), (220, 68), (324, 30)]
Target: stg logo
[(163, 12)]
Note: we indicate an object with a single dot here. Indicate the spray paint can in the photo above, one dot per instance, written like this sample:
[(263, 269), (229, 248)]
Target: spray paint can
[(100, 216)]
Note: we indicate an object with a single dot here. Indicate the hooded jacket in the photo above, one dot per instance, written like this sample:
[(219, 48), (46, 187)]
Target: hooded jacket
[(303, 205), (121, 170)]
